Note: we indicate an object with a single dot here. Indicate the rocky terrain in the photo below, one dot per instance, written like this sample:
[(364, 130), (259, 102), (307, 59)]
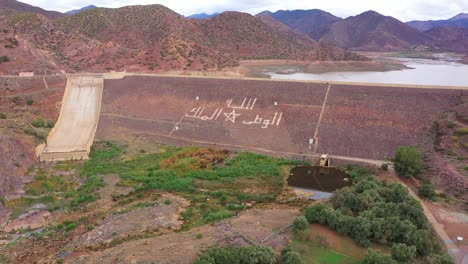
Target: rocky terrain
[(460, 20), (371, 31), (452, 38), (303, 21), (147, 38), (13, 5)]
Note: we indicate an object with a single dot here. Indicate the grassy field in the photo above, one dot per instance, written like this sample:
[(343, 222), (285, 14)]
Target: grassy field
[(218, 183), (311, 252)]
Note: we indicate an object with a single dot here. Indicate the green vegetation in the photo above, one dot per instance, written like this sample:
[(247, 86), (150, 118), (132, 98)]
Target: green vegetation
[(380, 212), (384, 166), (300, 224), (30, 101), (3, 115), (403, 254), (41, 135), (16, 100), (41, 122), (408, 162), (427, 191), (461, 132), (238, 255), (4, 59), (376, 257), (216, 187)]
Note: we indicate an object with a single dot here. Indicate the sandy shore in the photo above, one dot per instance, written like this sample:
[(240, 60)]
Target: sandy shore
[(259, 68)]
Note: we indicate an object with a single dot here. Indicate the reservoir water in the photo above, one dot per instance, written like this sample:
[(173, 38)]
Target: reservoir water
[(321, 182), (423, 72)]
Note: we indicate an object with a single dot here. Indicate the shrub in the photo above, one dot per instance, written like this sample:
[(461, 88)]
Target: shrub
[(408, 162), (16, 100), (300, 223), (384, 166), (450, 125), (41, 122), (233, 255), (462, 131), (3, 115), (4, 59), (439, 259), (291, 257), (316, 213), (30, 101), (403, 253), (427, 191), (377, 257), (199, 236)]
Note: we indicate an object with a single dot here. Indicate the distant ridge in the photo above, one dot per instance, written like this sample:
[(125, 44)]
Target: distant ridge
[(371, 31), (203, 15), (76, 11), (460, 20), (303, 21), (25, 8)]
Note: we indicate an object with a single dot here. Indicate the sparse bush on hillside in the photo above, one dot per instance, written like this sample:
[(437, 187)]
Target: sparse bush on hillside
[(408, 162), (461, 132), (41, 122), (4, 59), (427, 191), (3, 115), (30, 101)]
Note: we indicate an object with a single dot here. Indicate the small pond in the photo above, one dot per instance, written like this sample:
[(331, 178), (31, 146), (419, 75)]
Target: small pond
[(321, 182)]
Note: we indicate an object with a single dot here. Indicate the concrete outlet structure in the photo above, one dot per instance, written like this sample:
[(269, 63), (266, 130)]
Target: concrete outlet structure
[(73, 134)]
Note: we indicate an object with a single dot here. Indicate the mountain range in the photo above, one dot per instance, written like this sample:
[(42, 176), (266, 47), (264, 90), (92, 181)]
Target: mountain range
[(460, 20), (76, 11), (153, 37), (147, 38)]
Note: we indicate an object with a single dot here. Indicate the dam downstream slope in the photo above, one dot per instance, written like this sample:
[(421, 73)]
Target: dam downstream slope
[(73, 134)]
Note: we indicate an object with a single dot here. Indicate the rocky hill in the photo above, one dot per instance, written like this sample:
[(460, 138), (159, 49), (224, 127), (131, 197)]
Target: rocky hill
[(303, 21), (371, 31), (76, 11), (148, 38), (460, 20), (25, 8), (450, 38)]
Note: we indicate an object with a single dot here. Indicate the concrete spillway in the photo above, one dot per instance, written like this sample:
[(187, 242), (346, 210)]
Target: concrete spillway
[(73, 134)]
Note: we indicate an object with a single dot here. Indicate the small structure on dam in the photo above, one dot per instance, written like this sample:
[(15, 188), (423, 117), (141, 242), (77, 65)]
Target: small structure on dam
[(73, 134)]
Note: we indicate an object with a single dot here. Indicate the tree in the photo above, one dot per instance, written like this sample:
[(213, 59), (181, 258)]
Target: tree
[(239, 255), (300, 223), (440, 259), (422, 239), (403, 253), (377, 257), (427, 190), (291, 257), (408, 162), (317, 213)]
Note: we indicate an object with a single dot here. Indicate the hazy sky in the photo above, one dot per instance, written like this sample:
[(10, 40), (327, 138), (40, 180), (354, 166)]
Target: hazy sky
[(402, 9)]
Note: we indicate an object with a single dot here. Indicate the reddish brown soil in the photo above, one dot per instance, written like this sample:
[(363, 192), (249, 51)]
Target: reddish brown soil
[(251, 226), (359, 121)]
